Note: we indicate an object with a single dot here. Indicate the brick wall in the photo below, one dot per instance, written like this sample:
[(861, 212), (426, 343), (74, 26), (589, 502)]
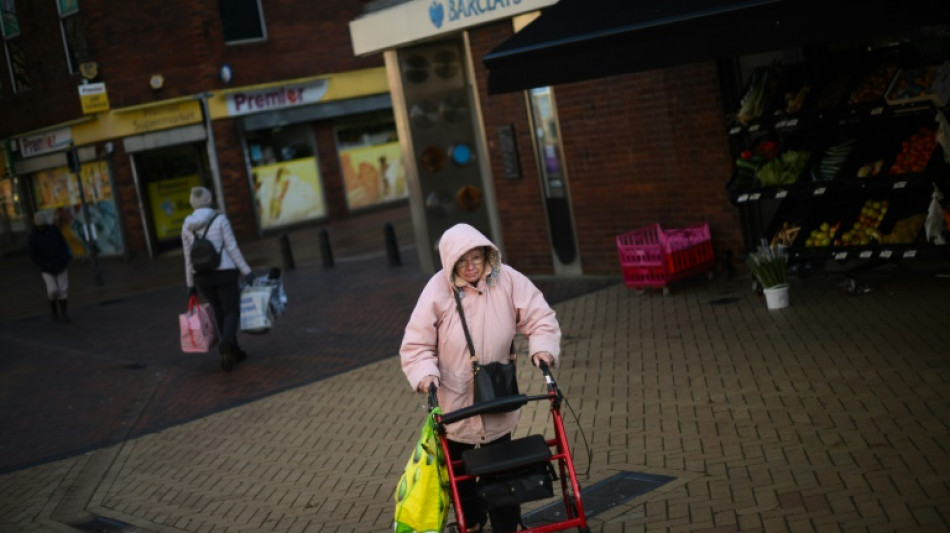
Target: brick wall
[(182, 41), (639, 148)]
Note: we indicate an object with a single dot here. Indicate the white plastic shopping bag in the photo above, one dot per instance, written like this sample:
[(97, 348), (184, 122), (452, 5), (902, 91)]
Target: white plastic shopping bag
[(278, 296), (256, 315), (198, 331)]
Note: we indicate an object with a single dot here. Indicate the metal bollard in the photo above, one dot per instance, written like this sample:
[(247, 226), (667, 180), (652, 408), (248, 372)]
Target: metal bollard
[(325, 249), (286, 253), (392, 247)]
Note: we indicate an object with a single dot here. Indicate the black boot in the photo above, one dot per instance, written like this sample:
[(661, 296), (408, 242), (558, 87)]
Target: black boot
[(226, 351), (63, 311), (55, 310)]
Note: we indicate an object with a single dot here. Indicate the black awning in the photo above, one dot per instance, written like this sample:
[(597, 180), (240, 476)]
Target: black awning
[(576, 40)]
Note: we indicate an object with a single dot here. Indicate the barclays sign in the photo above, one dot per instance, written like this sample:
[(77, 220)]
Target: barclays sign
[(416, 20), (462, 9)]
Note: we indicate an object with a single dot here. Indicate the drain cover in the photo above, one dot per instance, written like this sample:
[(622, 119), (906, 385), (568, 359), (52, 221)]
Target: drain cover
[(101, 524), (599, 497)]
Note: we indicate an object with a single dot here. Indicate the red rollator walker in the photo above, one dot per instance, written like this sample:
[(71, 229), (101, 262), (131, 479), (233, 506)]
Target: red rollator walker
[(518, 471)]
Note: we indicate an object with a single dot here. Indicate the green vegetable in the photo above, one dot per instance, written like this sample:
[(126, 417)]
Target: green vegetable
[(785, 169)]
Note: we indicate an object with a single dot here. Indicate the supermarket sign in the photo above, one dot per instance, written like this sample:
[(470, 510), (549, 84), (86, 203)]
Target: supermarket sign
[(420, 19), (93, 97), (257, 100), (45, 142)]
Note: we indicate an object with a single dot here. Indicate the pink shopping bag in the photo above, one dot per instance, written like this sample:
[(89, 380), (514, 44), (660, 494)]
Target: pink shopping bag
[(199, 333)]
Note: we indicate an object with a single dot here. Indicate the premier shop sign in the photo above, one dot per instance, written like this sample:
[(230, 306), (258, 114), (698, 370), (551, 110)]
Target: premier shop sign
[(271, 98)]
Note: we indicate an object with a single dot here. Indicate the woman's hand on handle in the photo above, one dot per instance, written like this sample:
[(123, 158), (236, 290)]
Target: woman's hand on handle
[(426, 383), (546, 357)]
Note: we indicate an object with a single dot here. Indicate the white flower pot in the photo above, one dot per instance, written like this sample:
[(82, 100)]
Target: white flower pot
[(776, 297)]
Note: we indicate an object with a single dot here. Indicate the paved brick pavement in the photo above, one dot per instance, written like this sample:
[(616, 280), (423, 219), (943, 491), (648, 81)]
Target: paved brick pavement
[(826, 416)]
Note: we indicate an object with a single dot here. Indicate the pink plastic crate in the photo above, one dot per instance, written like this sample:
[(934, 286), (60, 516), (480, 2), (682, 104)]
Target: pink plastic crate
[(652, 257)]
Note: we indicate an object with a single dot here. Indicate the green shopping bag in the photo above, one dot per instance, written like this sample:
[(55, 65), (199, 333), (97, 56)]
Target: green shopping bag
[(422, 495)]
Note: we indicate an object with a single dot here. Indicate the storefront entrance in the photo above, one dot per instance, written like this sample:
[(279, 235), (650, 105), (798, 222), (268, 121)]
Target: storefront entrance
[(164, 178)]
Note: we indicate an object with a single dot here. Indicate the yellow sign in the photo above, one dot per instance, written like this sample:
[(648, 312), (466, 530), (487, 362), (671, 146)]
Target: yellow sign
[(373, 175), (289, 192), (56, 187), (168, 200), (93, 97), (121, 123)]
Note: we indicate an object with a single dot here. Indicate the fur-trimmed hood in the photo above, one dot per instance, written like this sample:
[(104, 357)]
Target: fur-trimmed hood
[(459, 240)]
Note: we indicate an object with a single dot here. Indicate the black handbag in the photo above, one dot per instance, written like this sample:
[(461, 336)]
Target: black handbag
[(494, 380), (525, 484)]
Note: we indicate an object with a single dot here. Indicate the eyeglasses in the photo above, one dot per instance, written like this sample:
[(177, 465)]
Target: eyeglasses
[(476, 262)]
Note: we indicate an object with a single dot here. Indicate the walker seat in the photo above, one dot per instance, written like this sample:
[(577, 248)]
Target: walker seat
[(506, 456)]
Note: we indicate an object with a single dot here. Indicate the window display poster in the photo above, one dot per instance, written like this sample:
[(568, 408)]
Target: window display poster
[(9, 204), (373, 174), (289, 192), (169, 203), (57, 190)]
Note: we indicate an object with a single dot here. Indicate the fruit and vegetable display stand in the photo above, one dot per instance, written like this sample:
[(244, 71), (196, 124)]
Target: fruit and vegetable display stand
[(844, 159), (654, 257)]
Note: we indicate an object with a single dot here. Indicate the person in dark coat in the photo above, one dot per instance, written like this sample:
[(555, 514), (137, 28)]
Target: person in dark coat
[(50, 251)]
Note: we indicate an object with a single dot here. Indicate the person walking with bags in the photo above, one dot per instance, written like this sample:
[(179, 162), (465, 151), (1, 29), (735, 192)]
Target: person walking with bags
[(217, 273), (474, 296), (50, 251)]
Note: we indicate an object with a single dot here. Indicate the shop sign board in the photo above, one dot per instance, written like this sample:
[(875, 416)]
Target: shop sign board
[(161, 117), (93, 97), (45, 142), (276, 97), (124, 122), (421, 19)]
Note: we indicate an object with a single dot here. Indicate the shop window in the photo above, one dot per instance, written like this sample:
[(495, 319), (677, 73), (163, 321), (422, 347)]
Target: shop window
[(13, 226), (286, 176), (547, 140), (57, 191), (370, 158), (12, 47), (242, 21), (74, 35)]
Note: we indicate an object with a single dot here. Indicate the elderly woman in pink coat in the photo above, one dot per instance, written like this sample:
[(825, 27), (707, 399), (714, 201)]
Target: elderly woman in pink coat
[(498, 302)]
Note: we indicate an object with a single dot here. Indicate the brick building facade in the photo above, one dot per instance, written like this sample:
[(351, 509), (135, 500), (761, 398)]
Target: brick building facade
[(636, 148)]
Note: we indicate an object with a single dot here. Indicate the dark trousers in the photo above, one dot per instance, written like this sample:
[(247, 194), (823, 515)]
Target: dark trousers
[(503, 519), (220, 289)]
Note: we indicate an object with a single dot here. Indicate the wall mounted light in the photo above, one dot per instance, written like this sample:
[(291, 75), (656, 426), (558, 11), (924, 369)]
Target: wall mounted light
[(226, 74), (157, 81)]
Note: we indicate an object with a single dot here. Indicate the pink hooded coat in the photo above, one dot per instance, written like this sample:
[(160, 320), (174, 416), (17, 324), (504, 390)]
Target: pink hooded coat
[(504, 303)]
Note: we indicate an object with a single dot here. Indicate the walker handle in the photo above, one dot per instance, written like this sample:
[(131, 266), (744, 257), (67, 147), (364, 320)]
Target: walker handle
[(433, 398), (548, 378), (553, 390)]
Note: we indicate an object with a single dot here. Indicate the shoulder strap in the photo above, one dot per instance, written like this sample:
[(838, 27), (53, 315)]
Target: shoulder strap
[(468, 336), (210, 222)]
